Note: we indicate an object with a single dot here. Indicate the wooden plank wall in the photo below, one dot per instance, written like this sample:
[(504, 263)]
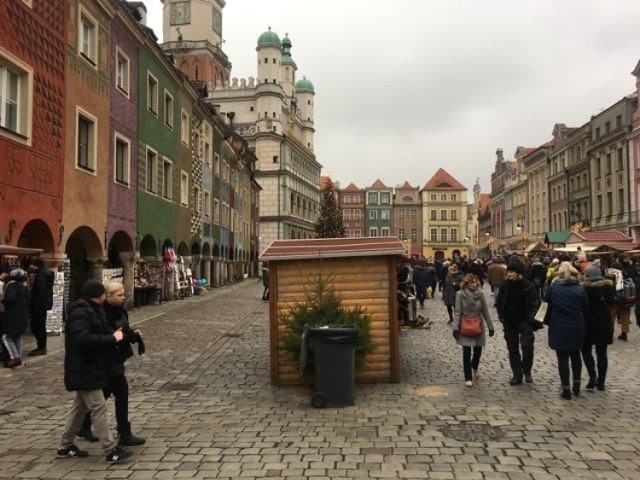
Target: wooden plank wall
[(365, 281)]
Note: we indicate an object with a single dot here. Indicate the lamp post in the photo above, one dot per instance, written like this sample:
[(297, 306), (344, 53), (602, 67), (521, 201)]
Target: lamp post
[(521, 229)]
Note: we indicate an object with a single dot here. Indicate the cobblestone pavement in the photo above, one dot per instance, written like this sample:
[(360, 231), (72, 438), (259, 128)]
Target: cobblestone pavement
[(201, 395)]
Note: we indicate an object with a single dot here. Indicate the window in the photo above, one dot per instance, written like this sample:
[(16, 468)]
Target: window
[(346, 199), (86, 141), (401, 234), (168, 110), (443, 234), (414, 214), (122, 161), (184, 188), (373, 231), (597, 167), (454, 214), (443, 214), (618, 121), (443, 196), (196, 199), (16, 85), (414, 234), (207, 204), (597, 132), (357, 233), (434, 234), (152, 94), (151, 169), (433, 196), (207, 153), (401, 214), (434, 215), (167, 178), (453, 197), (608, 163), (620, 160), (88, 38), (216, 211), (609, 203), (216, 164), (454, 234), (620, 207), (607, 127), (373, 214), (122, 72), (384, 214), (356, 199), (346, 214), (385, 198), (356, 214), (385, 232), (184, 127), (373, 198)]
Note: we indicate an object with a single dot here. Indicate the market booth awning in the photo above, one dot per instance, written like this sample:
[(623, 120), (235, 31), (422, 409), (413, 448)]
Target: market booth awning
[(11, 250), (556, 238), (536, 247)]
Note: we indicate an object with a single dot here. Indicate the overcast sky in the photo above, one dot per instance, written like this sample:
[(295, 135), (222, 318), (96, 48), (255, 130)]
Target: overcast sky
[(405, 87)]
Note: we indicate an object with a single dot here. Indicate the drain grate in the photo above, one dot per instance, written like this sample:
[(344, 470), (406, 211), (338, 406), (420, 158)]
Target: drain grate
[(472, 432)]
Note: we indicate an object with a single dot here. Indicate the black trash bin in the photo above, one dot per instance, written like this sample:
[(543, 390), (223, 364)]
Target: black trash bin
[(334, 365)]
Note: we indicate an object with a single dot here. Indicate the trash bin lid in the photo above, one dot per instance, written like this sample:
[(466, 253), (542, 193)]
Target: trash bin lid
[(335, 334)]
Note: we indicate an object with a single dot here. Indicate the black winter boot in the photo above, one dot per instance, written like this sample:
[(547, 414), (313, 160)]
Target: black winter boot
[(576, 388), (566, 392), (126, 438)]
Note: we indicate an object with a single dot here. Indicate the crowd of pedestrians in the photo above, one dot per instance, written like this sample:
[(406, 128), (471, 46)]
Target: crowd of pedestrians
[(580, 301)]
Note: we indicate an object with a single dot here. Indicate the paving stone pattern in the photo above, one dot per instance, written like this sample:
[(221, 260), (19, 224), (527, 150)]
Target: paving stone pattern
[(201, 395)]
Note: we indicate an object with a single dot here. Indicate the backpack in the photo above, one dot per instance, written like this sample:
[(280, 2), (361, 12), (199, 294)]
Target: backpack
[(628, 292), (625, 287)]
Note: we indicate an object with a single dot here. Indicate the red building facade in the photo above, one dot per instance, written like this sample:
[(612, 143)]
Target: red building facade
[(32, 72)]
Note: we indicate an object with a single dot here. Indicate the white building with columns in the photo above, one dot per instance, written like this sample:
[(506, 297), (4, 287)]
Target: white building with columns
[(274, 112)]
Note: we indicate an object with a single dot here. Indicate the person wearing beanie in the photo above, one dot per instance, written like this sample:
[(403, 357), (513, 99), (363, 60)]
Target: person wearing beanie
[(118, 385), (14, 320), (90, 344), (517, 302), (567, 310), (599, 329)]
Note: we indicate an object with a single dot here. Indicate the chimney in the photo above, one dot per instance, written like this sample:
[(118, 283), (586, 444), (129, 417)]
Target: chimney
[(500, 155)]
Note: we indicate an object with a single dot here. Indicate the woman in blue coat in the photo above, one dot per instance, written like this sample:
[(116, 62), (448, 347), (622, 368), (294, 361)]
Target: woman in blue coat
[(568, 309)]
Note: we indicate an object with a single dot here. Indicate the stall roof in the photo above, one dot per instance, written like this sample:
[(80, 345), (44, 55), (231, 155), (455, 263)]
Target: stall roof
[(556, 237), (11, 250), (332, 248)]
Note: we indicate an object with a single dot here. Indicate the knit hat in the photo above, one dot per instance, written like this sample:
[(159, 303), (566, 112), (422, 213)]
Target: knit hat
[(593, 272), (515, 265), (92, 289), (18, 274)]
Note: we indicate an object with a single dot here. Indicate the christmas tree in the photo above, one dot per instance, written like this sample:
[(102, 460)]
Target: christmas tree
[(329, 224)]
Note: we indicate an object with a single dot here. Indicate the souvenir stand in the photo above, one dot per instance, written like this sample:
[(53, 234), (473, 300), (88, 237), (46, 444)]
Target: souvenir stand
[(148, 279), (19, 257)]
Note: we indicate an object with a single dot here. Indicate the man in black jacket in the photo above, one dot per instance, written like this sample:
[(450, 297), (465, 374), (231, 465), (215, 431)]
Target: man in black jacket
[(41, 301), (89, 345), (517, 303)]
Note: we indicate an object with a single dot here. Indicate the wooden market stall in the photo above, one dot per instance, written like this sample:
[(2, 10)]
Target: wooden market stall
[(363, 272)]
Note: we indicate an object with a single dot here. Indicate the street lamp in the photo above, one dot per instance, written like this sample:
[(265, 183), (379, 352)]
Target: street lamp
[(521, 229)]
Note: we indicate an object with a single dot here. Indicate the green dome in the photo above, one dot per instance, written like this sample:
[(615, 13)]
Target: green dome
[(286, 42), (286, 59), (304, 86), (269, 39)]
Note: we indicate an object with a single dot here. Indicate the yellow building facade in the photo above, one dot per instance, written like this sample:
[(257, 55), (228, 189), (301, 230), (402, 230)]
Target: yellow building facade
[(444, 214)]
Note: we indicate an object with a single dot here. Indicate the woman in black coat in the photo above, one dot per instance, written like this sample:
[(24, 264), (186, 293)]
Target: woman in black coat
[(16, 301), (452, 283), (118, 318), (598, 323)]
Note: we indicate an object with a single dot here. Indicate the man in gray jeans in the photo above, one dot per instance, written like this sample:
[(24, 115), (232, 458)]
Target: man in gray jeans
[(89, 345)]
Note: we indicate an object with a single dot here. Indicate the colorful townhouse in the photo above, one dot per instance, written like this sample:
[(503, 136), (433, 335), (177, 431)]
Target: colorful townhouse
[(32, 126)]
